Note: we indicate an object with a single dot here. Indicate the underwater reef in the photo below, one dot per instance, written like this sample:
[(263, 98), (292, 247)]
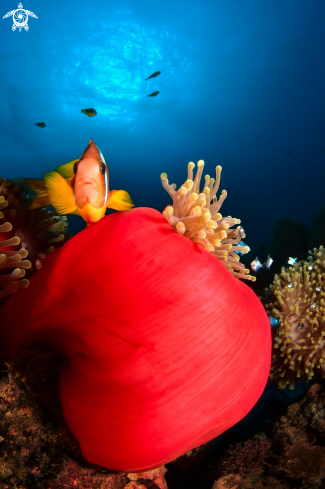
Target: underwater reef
[(147, 356), (288, 454), (145, 327), (25, 233), (37, 453), (296, 304), (127, 368), (139, 307)]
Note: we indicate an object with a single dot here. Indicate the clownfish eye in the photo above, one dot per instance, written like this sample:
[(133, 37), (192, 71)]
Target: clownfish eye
[(75, 168), (103, 169)]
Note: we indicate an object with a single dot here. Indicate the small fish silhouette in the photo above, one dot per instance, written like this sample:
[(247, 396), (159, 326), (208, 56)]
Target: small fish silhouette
[(40, 124), (156, 73), (153, 94), (90, 112)]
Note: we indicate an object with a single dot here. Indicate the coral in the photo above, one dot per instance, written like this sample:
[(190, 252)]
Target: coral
[(153, 479), (234, 481), (38, 230), (196, 216), (163, 348), (296, 299), (246, 457), (31, 451), (37, 453), (289, 453), (306, 461)]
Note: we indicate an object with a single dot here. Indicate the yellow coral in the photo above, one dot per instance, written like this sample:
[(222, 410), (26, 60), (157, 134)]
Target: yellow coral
[(196, 216), (298, 295)]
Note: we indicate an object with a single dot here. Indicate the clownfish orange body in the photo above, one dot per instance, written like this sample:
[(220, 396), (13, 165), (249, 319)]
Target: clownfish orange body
[(80, 187)]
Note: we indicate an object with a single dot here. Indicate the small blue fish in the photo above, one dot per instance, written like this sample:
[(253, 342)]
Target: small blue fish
[(241, 252), (273, 321)]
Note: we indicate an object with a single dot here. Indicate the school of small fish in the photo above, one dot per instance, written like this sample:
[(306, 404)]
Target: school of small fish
[(156, 73), (92, 112)]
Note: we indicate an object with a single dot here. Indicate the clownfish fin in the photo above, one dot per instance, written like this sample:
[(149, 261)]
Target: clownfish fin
[(37, 186), (66, 170), (119, 200), (60, 193), (34, 184)]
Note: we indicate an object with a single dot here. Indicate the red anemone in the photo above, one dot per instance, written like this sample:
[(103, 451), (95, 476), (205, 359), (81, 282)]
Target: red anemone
[(165, 348)]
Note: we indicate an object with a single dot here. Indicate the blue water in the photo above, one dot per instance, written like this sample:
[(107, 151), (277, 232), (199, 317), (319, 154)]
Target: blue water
[(241, 85)]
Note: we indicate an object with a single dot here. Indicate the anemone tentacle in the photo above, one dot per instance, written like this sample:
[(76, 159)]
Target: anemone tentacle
[(196, 216), (37, 231)]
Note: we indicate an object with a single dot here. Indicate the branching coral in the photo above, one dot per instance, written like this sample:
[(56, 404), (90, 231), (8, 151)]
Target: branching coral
[(196, 216), (246, 457), (288, 454), (37, 231), (297, 296)]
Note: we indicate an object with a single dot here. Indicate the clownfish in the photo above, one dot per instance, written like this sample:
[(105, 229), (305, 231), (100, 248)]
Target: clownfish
[(79, 187)]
